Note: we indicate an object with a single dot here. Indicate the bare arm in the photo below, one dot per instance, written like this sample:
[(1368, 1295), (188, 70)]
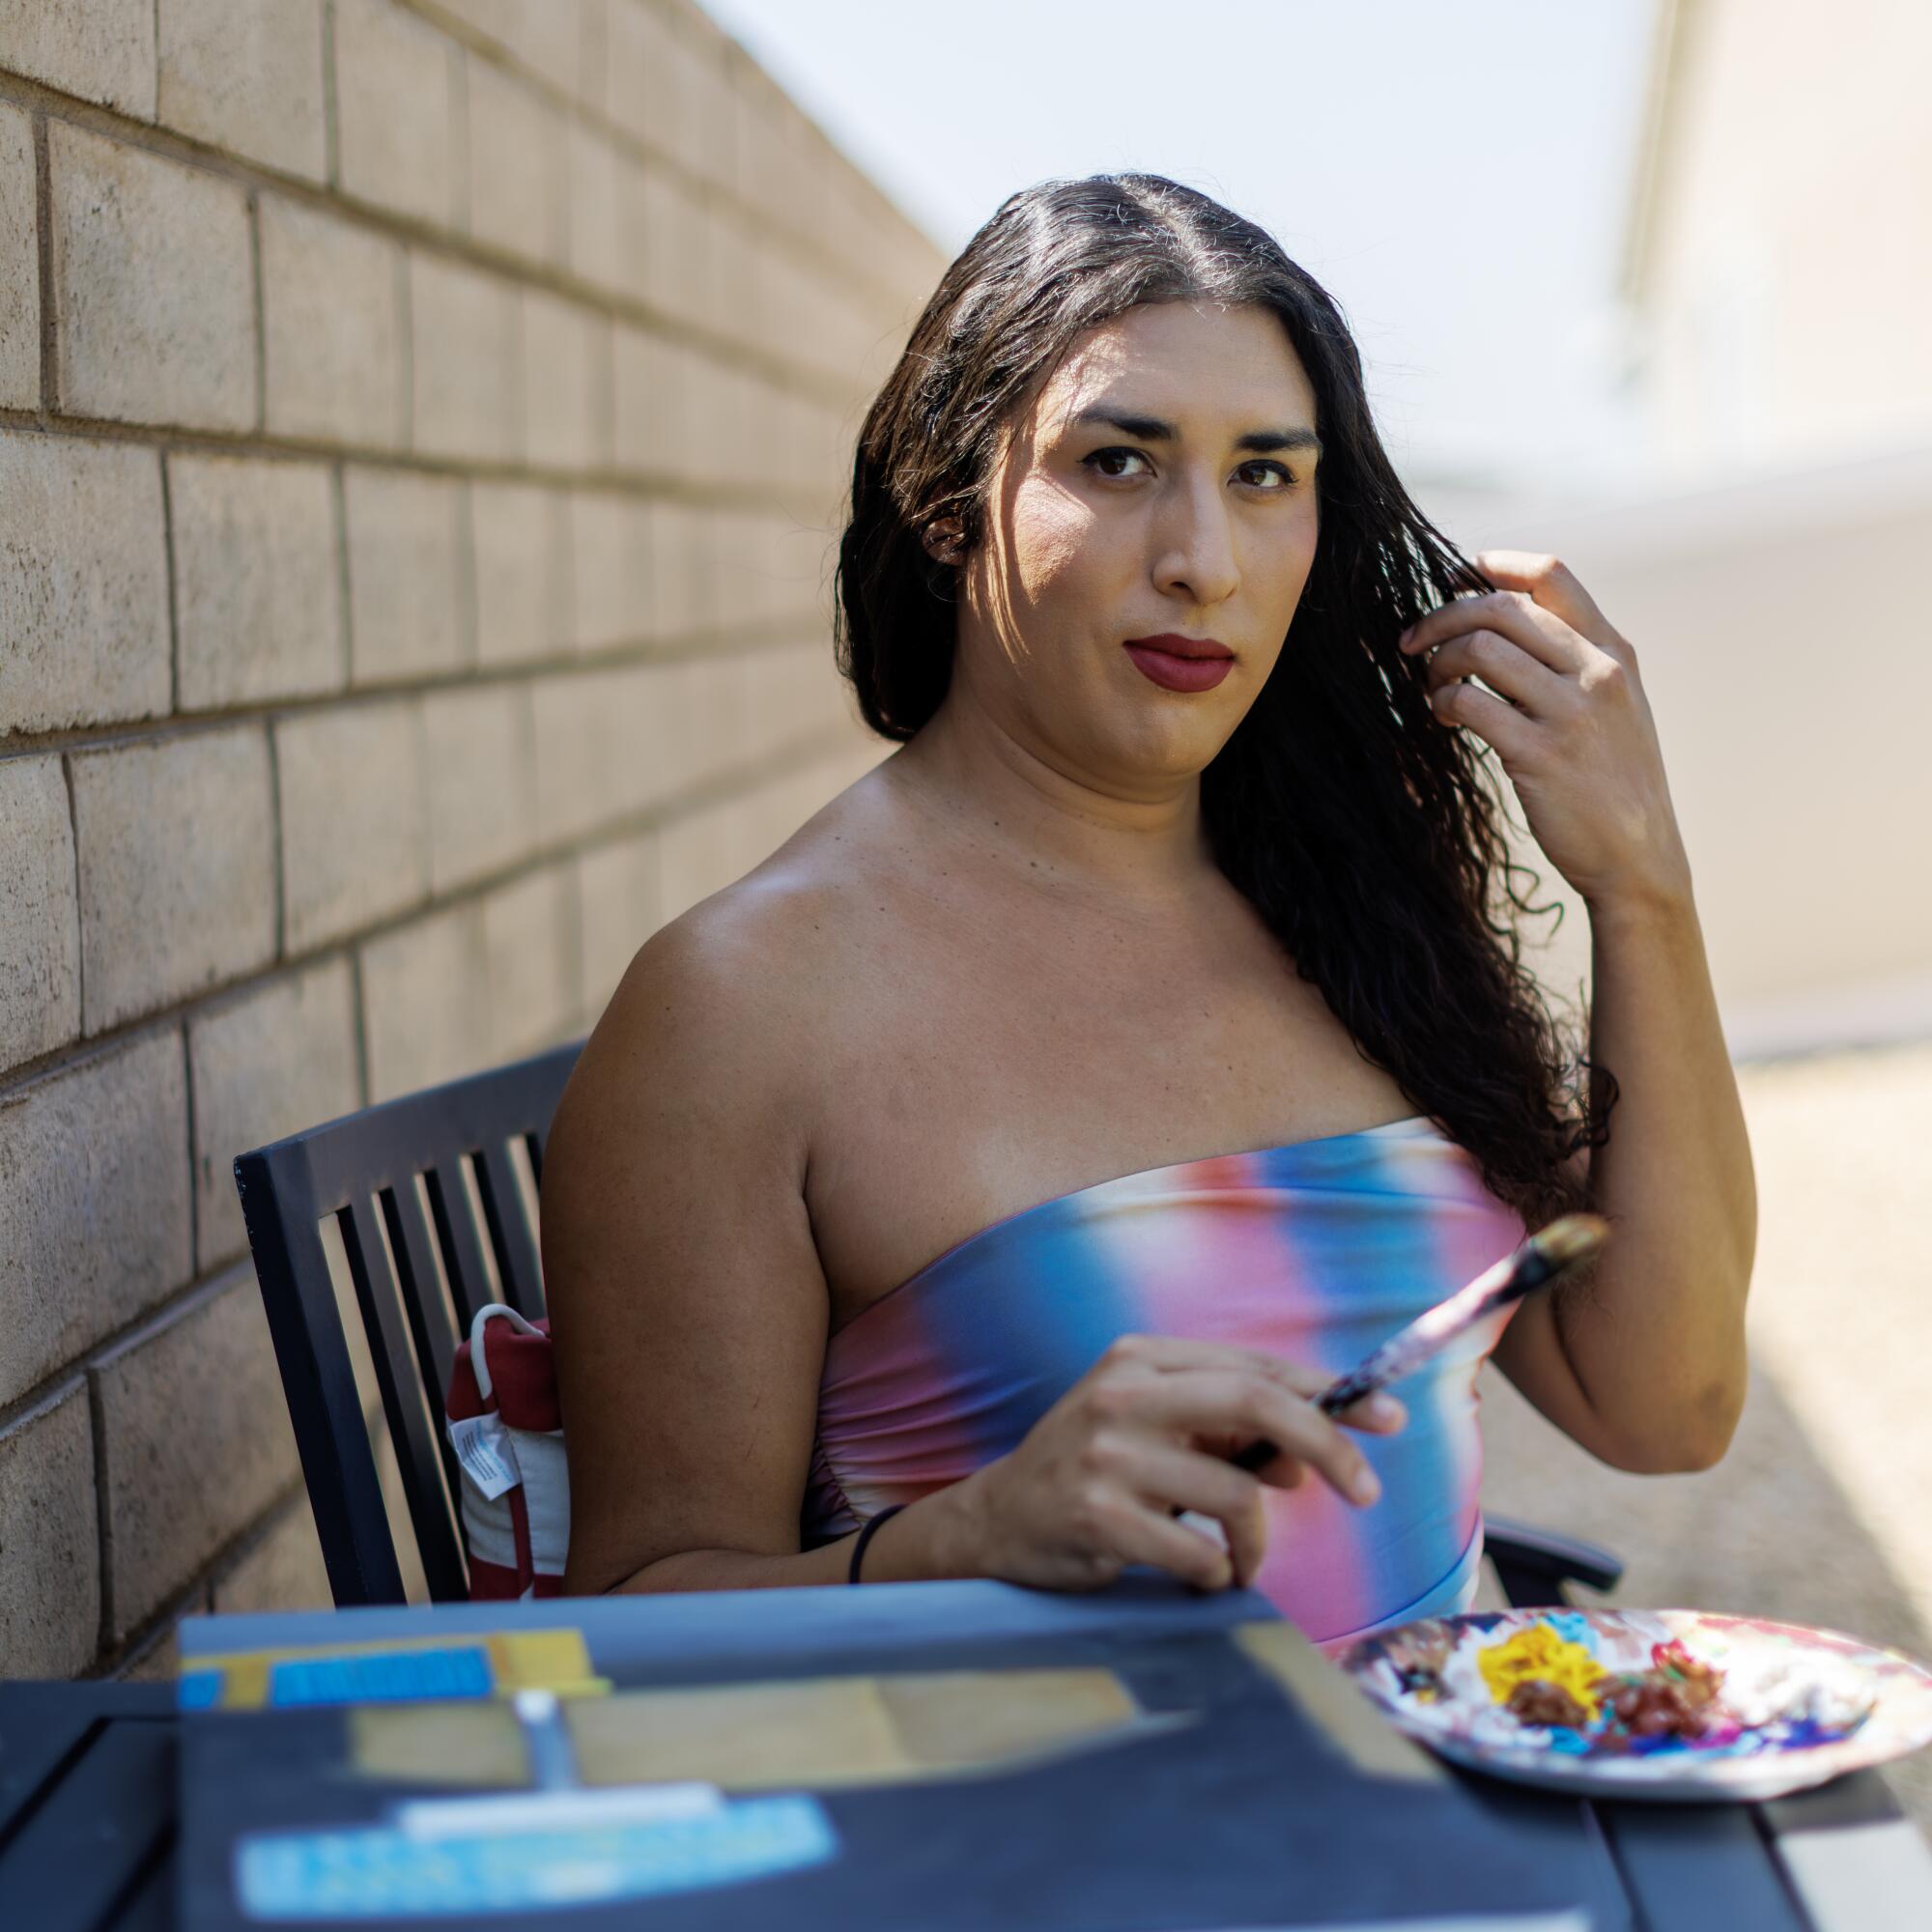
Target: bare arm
[(1643, 1362), (687, 1301)]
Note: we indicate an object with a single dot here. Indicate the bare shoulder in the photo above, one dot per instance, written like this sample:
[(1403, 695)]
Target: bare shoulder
[(732, 995), (733, 980), (691, 1081)]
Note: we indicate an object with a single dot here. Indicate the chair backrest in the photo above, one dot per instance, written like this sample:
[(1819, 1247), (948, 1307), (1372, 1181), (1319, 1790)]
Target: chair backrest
[(419, 1278)]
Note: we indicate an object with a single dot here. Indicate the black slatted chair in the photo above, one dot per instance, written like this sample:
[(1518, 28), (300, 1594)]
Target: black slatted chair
[(431, 1208), (430, 1205)]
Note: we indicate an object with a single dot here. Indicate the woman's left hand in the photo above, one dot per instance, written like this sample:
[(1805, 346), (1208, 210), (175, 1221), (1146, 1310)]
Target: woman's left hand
[(1569, 719)]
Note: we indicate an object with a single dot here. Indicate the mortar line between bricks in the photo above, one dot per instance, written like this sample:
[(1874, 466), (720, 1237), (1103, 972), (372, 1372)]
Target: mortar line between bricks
[(573, 938), (604, 388), (190, 1598), (406, 354), (43, 218), (259, 316), (245, 1542), (462, 215), (174, 588), (158, 1318), (426, 845), (469, 618), (331, 140), (707, 647), (53, 1388), (43, 1398), (644, 484), (593, 58), (819, 382), (15, 1082), (79, 923), (152, 1631), (193, 1188), (338, 510), (358, 1009), (520, 389), (103, 1520), (276, 833)]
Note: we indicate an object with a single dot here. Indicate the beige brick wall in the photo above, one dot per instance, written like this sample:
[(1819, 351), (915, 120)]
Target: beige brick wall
[(423, 424)]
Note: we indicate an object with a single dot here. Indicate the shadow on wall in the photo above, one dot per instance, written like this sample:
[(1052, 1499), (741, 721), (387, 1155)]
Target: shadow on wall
[(1769, 1532)]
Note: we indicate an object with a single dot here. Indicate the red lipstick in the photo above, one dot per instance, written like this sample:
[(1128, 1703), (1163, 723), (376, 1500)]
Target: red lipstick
[(1181, 664)]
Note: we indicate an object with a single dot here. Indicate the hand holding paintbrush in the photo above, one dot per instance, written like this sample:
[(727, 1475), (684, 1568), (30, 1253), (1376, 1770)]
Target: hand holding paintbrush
[(1545, 1258), (1137, 1453)]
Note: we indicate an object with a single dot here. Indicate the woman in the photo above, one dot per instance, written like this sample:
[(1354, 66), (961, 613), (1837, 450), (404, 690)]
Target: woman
[(1144, 1040)]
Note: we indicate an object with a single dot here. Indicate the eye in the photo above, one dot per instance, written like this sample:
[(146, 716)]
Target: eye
[(1285, 477), (1101, 458)]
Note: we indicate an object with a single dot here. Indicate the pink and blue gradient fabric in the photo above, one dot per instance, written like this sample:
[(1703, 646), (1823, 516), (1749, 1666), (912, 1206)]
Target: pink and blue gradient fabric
[(1317, 1251)]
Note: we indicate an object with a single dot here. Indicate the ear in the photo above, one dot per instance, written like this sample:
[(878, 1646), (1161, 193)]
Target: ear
[(945, 540)]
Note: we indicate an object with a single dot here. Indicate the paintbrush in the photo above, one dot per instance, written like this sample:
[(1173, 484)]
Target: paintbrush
[(1548, 1254)]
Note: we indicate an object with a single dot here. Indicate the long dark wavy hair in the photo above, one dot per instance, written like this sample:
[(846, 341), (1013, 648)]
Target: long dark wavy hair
[(1369, 837)]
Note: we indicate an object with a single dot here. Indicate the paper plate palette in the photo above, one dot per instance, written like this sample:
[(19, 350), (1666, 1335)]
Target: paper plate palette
[(1663, 1704)]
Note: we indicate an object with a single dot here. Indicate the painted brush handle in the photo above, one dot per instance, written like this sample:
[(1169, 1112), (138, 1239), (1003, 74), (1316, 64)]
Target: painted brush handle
[(1543, 1259)]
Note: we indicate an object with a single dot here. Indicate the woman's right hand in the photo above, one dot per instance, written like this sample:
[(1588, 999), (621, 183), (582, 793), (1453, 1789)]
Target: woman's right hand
[(1097, 1481)]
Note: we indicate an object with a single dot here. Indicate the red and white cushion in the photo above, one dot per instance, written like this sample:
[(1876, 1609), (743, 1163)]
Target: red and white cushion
[(507, 1433)]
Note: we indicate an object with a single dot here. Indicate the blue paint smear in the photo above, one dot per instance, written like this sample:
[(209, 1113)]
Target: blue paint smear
[(392, 1677), (378, 1872), (198, 1690)]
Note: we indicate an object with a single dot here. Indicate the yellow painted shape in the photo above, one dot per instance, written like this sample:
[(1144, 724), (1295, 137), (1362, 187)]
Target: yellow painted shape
[(748, 1737), (480, 1746), (960, 1717), (550, 1659), (829, 1732), (556, 1659)]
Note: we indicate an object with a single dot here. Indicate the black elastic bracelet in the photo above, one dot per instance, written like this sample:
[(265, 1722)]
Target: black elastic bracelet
[(866, 1536)]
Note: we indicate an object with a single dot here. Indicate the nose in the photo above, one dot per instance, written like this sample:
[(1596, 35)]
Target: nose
[(1195, 544)]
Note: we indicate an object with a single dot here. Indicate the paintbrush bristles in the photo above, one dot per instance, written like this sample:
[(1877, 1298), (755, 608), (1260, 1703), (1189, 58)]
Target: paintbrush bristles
[(1570, 1237)]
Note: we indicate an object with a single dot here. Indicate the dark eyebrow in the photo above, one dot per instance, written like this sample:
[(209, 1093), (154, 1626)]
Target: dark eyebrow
[(1153, 429)]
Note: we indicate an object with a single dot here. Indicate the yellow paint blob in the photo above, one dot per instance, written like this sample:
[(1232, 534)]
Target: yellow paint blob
[(1539, 1655)]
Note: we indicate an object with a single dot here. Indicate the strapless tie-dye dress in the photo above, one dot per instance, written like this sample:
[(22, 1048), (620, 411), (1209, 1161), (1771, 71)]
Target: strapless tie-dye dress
[(1316, 1250)]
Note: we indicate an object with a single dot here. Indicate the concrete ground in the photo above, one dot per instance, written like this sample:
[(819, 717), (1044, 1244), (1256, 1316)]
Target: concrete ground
[(1822, 1512)]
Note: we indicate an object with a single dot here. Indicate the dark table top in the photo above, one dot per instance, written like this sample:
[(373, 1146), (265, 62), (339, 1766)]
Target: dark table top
[(88, 1811)]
